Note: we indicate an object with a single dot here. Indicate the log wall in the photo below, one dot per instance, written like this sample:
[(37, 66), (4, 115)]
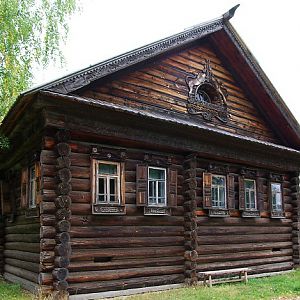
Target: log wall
[(263, 244), (113, 252), (22, 242), (162, 84)]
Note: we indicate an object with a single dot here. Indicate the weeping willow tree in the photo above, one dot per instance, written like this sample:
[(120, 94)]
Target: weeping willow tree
[(31, 32)]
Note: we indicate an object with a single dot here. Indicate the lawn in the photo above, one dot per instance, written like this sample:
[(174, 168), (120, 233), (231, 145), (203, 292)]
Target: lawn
[(275, 287), (9, 291)]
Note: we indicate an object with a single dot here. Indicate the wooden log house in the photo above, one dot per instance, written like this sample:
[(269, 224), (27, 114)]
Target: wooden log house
[(143, 170)]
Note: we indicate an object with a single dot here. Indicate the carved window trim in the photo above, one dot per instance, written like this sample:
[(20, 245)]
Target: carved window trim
[(107, 207)]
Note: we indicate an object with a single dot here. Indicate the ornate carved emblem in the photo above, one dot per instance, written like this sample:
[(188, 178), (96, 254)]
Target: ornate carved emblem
[(207, 96)]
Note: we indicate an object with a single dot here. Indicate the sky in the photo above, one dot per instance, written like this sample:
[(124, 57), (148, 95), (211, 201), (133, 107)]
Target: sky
[(106, 28)]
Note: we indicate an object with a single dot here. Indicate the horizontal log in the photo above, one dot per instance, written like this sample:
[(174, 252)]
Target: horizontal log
[(48, 244), (28, 228), (47, 207), (242, 263), (275, 252), (101, 286), (76, 277), (229, 248), (87, 243), (30, 266), (126, 252), (45, 278), (231, 221), (31, 276), (127, 220), (24, 283), (28, 247), (64, 175), (122, 231), (253, 238), (89, 265), (229, 230), (22, 255), (47, 256), (47, 231), (29, 238)]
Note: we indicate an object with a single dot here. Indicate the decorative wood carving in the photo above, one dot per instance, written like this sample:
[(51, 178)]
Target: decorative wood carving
[(207, 96)]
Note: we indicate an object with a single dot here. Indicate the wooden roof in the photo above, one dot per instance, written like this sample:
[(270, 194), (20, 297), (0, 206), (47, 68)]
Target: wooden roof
[(225, 40)]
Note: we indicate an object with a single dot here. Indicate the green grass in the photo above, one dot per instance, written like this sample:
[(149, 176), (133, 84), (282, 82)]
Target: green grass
[(287, 285), (9, 291)]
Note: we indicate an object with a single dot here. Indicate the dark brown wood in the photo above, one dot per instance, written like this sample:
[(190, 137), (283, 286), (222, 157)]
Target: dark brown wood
[(60, 273)]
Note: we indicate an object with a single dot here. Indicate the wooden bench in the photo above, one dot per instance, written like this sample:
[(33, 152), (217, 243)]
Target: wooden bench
[(242, 274)]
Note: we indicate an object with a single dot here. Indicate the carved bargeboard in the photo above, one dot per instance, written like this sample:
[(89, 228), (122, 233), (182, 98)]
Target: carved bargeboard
[(207, 96)]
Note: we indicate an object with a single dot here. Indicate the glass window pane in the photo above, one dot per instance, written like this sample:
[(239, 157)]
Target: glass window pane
[(218, 180), (222, 196), (249, 184), (113, 186), (156, 174), (108, 169), (152, 189), (161, 189), (101, 198), (101, 185)]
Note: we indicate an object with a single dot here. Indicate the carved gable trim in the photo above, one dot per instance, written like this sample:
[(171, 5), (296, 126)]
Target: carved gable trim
[(207, 96)]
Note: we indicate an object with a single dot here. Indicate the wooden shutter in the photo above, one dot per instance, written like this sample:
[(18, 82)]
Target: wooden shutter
[(172, 188), (207, 180), (24, 188), (93, 176), (230, 192), (38, 182), (122, 183), (241, 193), (6, 203), (260, 194), (141, 185)]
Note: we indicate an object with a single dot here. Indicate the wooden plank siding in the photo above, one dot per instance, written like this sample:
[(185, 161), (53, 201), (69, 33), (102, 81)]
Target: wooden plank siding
[(162, 84)]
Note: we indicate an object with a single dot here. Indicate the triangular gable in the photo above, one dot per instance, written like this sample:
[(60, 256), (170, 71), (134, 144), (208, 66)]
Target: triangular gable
[(230, 48), (163, 84)]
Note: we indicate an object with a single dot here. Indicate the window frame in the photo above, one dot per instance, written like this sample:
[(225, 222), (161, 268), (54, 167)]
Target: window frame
[(281, 196), (107, 184), (156, 204), (32, 187), (255, 194), (225, 192), (107, 208)]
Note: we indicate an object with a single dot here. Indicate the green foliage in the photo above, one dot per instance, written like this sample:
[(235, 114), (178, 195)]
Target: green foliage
[(287, 286), (31, 33), (10, 291), (4, 142)]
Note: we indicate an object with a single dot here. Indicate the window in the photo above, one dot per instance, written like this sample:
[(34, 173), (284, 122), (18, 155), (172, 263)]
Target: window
[(32, 188), (108, 187), (108, 183), (250, 194), (218, 191), (276, 197), (157, 187)]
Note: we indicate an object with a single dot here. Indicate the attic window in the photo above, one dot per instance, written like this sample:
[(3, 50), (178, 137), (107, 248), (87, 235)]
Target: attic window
[(207, 97)]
